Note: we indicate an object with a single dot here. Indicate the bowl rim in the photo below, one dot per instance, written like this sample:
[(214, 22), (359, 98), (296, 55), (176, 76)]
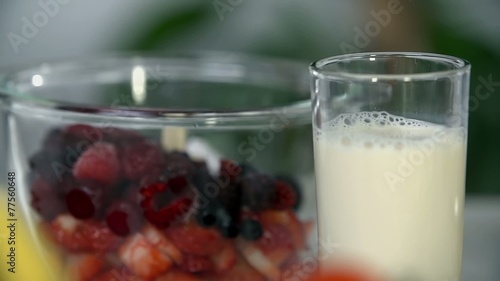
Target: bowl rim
[(296, 112)]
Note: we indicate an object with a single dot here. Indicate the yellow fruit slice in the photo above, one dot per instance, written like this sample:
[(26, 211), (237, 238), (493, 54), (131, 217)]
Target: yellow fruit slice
[(36, 257)]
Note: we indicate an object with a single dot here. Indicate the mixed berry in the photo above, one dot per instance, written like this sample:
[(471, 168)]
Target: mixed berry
[(124, 209)]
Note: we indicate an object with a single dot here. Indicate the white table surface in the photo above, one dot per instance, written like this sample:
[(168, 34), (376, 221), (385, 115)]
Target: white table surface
[(482, 239)]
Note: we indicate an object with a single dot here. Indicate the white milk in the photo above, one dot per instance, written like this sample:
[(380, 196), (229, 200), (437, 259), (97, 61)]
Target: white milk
[(390, 195)]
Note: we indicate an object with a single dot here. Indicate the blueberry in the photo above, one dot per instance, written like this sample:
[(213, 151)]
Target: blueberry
[(227, 224), (251, 229), (207, 216)]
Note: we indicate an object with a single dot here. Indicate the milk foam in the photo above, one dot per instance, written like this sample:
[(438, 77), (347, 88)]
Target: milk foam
[(382, 129)]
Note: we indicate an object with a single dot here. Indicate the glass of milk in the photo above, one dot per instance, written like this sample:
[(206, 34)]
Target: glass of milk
[(390, 138)]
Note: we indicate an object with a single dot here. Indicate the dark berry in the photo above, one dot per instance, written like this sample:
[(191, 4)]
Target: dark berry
[(251, 229), (121, 137), (257, 191), (140, 159), (85, 201), (230, 169), (177, 183), (227, 223), (99, 163), (178, 163), (229, 229), (295, 187), (207, 216), (285, 197), (83, 133), (123, 218), (46, 200)]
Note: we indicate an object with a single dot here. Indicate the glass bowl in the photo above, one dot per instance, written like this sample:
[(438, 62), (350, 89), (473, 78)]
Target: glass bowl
[(155, 167)]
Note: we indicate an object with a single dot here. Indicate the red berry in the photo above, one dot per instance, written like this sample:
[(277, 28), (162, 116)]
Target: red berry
[(46, 200), (163, 217), (85, 201), (196, 240), (88, 235), (175, 275), (285, 196), (118, 274), (141, 159), (142, 258), (242, 271), (123, 218), (230, 169), (158, 207), (225, 259), (121, 137), (196, 264), (84, 266), (84, 132), (177, 184), (99, 163)]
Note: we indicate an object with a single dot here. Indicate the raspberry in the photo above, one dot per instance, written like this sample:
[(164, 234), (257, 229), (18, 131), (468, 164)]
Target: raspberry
[(141, 159), (123, 218), (99, 163), (121, 137), (83, 132), (285, 196), (86, 200), (196, 264), (196, 240), (86, 235), (45, 199), (163, 217)]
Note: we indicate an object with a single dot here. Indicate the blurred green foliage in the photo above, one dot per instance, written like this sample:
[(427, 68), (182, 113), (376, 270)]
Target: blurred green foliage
[(483, 175)]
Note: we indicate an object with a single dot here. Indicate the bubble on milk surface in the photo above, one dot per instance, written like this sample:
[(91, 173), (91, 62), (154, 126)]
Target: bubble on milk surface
[(378, 129)]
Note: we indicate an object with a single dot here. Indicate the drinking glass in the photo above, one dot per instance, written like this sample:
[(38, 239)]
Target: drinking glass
[(390, 133)]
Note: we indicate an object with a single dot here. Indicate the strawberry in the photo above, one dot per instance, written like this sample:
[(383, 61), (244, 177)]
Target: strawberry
[(142, 258), (89, 235), (118, 274), (196, 240), (140, 159), (241, 271), (175, 275), (345, 274), (99, 163), (196, 264), (258, 260), (280, 227), (225, 259), (83, 267), (162, 243)]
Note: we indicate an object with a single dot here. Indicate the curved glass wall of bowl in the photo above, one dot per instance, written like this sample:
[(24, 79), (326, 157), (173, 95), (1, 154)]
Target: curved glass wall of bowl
[(141, 148)]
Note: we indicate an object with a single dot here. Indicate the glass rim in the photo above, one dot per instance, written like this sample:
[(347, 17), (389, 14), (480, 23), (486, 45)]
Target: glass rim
[(296, 112), (317, 68)]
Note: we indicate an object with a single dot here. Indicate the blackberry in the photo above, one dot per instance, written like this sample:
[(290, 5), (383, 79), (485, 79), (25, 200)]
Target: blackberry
[(257, 191), (178, 163), (251, 229)]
